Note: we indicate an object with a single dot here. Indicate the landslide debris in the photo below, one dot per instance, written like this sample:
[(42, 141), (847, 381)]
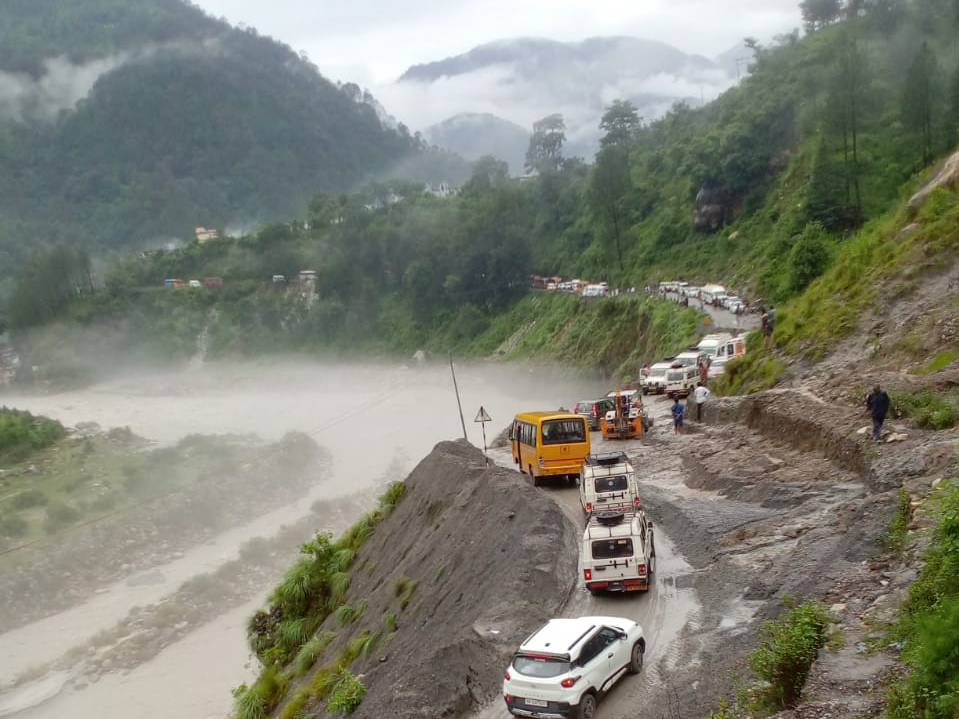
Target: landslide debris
[(449, 583)]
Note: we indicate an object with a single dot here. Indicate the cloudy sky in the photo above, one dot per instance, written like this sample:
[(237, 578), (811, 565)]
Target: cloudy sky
[(371, 42)]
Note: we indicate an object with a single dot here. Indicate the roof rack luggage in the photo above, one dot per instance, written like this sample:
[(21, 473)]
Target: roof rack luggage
[(605, 459)]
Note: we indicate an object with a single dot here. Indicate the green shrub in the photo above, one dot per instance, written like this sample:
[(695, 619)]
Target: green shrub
[(927, 410), (22, 433), (931, 687), (13, 526), (787, 650), (345, 614), (928, 625), (346, 695), (310, 652), (60, 515), (29, 498), (899, 526), (258, 700), (404, 588)]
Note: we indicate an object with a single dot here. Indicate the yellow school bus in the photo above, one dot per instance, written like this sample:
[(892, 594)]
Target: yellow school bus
[(550, 444)]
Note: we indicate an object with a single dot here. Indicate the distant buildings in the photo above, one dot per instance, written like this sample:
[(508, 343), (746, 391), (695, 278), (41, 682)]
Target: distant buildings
[(205, 234), (443, 189)]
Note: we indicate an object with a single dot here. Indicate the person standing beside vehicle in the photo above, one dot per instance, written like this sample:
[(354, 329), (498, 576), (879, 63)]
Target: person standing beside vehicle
[(678, 411), (877, 405), (700, 394)]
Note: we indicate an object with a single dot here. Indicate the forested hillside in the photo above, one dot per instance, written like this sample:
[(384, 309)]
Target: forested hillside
[(760, 189), (124, 125)]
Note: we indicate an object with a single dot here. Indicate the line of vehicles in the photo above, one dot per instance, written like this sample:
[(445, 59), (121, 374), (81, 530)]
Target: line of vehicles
[(679, 375), (567, 665), (710, 294)]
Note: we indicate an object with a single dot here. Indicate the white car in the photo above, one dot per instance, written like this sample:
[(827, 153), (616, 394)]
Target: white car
[(565, 667)]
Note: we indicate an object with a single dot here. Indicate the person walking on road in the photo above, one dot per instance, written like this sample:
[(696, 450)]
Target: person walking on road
[(700, 394), (678, 411), (877, 405)]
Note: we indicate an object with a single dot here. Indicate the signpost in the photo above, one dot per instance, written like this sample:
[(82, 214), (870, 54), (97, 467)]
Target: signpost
[(483, 418)]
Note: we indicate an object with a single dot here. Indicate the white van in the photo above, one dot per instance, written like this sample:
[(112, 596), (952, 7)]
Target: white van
[(607, 480), (655, 381), (714, 345), (618, 553), (735, 347), (681, 379)]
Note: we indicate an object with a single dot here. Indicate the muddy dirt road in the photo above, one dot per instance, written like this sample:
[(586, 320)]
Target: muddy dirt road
[(743, 517)]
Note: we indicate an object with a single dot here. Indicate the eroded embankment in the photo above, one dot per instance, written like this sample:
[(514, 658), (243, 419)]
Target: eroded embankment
[(807, 422), (451, 581)]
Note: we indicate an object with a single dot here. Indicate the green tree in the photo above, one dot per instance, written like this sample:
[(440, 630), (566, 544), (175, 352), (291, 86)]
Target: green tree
[(918, 101), (545, 151), (609, 191), (817, 14), (49, 283), (620, 122), (808, 258)]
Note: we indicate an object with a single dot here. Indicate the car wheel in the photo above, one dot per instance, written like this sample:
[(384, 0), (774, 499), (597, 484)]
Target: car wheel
[(587, 706), (636, 658)]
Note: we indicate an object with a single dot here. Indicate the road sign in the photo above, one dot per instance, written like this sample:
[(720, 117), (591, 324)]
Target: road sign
[(481, 416)]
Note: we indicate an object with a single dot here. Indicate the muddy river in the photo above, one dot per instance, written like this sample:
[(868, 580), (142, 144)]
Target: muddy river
[(376, 421)]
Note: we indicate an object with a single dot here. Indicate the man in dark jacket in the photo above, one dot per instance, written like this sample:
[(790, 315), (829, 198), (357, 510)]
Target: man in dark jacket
[(877, 404)]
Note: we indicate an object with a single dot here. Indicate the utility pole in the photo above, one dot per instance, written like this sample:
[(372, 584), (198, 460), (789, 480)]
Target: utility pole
[(458, 403)]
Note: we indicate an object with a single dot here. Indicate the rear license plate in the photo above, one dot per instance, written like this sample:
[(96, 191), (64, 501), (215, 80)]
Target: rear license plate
[(536, 703)]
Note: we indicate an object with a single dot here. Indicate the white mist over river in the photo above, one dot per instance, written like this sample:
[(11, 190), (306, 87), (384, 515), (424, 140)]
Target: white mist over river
[(376, 421)]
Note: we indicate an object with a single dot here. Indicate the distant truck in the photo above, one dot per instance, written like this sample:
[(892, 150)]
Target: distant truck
[(618, 553)]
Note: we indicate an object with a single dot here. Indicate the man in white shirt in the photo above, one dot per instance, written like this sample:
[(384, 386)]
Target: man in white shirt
[(700, 394)]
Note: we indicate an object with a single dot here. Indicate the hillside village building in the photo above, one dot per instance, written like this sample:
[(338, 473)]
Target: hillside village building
[(205, 234)]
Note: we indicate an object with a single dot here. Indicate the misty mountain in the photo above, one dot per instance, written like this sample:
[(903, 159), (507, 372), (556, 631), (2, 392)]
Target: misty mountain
[(473, 135), (523, 80), (129, 122)]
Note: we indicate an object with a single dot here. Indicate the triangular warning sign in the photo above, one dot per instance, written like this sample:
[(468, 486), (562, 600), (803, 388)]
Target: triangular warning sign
[(481, 416)]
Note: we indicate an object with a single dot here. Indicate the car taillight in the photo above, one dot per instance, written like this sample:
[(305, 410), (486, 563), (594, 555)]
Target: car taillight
[(587, 574), (589, 506), (636, 501), (506, 676), (641, 570), (569, 681), (596, 409)]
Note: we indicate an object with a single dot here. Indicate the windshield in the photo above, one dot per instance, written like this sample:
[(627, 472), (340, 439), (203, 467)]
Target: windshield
[(675, 376), (611, 484), (654, 372), (612, 548), (711, 351), (543, 667), (560, 431)]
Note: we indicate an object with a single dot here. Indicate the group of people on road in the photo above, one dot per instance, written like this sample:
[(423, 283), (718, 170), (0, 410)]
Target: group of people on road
[(699, 397)]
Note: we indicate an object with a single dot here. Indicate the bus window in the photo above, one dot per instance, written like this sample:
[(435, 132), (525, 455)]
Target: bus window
[(563, 431)]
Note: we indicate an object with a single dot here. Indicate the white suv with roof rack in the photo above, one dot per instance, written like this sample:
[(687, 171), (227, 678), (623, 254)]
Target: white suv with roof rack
[(565, 667), (618, 553), (607, 479)]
